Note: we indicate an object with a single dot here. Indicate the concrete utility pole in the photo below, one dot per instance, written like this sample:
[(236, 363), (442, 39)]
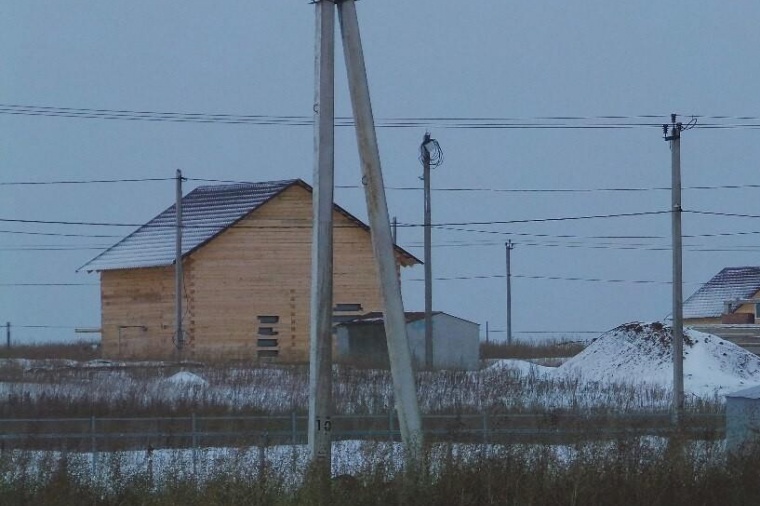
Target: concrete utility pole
[(178, 281), (509, 247), (8, 335), (428, 148), (673, 135), (320, 324), (410, 422)]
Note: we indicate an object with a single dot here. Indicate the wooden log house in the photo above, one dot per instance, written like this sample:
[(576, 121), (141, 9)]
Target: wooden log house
[(247, 260)]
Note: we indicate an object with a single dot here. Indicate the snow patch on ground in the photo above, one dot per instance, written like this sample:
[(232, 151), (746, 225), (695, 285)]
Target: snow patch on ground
[(187, 378)]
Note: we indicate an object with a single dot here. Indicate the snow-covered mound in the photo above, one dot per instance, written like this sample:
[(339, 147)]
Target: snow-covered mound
[(642, 353), (187, 378)]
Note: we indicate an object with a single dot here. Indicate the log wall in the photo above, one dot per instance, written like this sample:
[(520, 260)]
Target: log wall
[(247, 289)]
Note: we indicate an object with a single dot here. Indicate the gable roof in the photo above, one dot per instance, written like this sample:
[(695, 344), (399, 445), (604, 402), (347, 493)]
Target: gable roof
[(732, 283), (207, 211)]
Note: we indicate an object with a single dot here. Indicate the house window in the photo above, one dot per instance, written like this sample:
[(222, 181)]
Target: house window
[(267, 331), (267, 343), (340, 308), (268, 353), (269, 319)]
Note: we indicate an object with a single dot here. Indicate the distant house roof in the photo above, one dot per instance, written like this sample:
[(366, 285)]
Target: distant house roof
[(732, 283), (207, 211)]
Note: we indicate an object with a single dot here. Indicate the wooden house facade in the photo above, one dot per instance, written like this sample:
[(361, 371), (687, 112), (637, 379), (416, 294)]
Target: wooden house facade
[(247, 265), (728, 305), (731, 297)]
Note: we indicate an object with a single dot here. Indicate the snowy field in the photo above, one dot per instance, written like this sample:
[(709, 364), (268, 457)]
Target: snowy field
[(628, 368)]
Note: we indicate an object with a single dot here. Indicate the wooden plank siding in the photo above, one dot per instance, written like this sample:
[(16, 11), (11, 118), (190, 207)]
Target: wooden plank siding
[(137, 312), (247, 289)]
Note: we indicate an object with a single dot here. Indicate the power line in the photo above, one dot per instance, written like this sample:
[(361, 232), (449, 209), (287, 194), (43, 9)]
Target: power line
[(57, 327), (47, 284), (538, 122), (52, 248), (545, 332), (84, 223), (563, 190), (547, 122), (308, 225), (397, 188), (545, 220), (551, 278), (54, 234), (82, 181), (716, 213)]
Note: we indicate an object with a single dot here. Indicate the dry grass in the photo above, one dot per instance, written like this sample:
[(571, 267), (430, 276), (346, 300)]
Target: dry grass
[(79, 351), (527, 351), (624, 472)]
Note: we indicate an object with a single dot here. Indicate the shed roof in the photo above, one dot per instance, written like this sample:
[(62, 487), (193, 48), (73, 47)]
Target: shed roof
[(206, 212), (732, 283), (376, 318), (746, 393)]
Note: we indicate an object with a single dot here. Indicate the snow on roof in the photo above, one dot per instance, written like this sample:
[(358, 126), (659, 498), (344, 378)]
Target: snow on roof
[(642, 353), (746, 393), (731, 283), (206, 212)]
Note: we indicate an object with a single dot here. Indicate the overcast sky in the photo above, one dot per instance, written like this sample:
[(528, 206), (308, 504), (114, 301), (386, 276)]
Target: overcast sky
[(517, 62)]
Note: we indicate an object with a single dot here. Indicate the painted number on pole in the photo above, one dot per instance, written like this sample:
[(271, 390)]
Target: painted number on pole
[(324, 426)]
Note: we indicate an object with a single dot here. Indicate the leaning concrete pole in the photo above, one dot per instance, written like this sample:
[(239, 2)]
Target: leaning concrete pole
[(382, 242), (320, 324)]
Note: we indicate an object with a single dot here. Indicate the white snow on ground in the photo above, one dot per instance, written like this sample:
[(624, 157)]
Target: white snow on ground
[(524, 367), (641, 353), (187, 378)]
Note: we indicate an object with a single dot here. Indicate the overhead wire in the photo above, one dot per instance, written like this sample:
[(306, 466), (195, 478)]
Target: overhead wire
[(58, 234), (394, 188), (308, 225), (83, 181), (549, 278), (464, 122)]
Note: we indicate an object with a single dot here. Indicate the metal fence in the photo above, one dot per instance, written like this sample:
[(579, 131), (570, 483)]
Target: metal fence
[(95, 434)]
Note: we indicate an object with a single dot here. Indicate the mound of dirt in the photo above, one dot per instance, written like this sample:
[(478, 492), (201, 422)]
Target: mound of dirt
[(643, 353)]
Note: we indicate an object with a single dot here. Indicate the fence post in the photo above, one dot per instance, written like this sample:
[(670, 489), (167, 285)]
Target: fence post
[(263, 443), (194, 437), (93, 447), (293, 427), (485, 427), (390, 424)]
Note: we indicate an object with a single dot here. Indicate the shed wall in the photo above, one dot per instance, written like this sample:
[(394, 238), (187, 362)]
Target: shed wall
[(456, 342), (742, 422)]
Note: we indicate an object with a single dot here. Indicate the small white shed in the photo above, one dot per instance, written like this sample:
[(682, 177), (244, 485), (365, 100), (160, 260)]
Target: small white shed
[(456, 342), (743, 418)]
